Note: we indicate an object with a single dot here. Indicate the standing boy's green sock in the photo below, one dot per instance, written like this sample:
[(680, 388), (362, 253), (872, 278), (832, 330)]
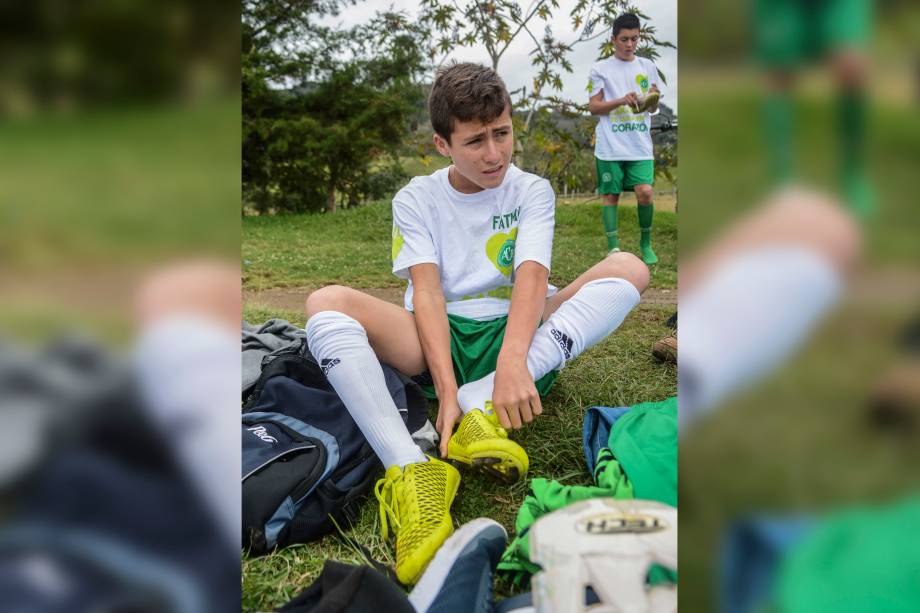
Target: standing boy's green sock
[(778, 131), (852, 126), (645, 228), (609, 214)]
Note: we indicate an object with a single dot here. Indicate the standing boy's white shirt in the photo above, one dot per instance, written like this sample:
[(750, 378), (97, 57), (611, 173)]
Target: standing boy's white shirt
[(622, 134), (476, 240)]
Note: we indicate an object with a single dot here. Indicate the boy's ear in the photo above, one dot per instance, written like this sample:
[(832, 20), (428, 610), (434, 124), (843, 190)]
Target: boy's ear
[(441, 145)]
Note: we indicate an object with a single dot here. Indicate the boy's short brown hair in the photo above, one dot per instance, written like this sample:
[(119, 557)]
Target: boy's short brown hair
[(465, 92)]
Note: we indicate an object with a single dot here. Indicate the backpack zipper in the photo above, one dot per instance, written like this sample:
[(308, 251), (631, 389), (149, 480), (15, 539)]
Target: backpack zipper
[(278, 457)]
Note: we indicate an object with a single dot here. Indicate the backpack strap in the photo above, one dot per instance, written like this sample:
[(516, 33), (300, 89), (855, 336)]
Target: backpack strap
[(296, 363), (416, 401)]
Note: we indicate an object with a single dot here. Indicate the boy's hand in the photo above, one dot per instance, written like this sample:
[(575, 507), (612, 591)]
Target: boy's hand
[(515, 398), (631, 99), (448, 414)]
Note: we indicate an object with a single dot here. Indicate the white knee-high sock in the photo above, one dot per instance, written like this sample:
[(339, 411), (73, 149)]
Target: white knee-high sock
[(340, 345), (745, 317), (582, 321)]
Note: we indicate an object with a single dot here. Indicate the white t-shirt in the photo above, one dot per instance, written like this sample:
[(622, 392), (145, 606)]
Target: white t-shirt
[(476, 240), (623, 135)]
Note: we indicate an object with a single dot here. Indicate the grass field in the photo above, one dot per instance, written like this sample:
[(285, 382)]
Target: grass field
[(90, 200), (352, 247), (120, 184)]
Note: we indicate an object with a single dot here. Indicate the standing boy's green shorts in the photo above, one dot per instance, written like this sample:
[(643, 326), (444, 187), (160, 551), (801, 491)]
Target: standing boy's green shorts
[(474, 347), (790, 32), (615, 176)]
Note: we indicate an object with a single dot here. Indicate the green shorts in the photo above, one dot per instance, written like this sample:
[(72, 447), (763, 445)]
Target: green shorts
[(790, 32), (613, 177), (474, 347)]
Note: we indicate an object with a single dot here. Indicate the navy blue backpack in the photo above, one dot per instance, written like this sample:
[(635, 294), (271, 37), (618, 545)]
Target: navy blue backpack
[(306, 464)]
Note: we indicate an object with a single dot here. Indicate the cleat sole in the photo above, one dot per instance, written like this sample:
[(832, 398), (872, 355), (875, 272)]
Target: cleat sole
[(500, 466), (511, 476)]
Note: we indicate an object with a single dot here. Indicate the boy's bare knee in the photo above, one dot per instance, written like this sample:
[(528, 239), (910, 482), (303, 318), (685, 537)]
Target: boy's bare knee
[(844, 242), (329, 298), (627, 266), (851, 69), (819, 221), (644, 194)]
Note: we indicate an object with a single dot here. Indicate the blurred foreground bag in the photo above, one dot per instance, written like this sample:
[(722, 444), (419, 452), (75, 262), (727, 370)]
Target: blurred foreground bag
[(305, 462), (103, 518)]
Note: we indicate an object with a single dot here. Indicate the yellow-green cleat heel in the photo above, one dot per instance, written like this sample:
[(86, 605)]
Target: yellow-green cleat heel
[(481, 443)]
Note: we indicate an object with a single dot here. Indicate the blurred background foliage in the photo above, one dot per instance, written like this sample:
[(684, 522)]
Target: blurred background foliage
[(120, 131), (61, 55)]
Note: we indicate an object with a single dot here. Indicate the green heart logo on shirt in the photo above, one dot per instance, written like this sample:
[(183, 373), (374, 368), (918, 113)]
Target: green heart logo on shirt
[(642, 81), (398, 242), (500, 251)]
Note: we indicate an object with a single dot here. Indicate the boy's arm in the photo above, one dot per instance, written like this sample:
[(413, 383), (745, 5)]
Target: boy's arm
[(597, 105), (515, 398), (434, 334)]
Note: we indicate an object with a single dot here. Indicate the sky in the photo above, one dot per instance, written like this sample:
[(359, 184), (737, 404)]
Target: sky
[(515, 67)]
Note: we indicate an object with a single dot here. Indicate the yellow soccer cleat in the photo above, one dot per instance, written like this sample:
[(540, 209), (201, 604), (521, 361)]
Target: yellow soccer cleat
[(482, 443), (647, 103), (415, 504)]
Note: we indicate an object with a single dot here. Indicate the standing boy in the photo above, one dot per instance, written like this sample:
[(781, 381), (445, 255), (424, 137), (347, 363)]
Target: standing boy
[(789, 35), (474, 241), (624, 88)]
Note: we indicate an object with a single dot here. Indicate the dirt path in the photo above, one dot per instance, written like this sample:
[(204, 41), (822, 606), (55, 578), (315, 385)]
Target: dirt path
[(292, 298), (664, 200), (870, 287)]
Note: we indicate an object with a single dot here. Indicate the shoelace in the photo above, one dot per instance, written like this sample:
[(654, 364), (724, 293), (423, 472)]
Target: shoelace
[(389, 505), (497, 426)]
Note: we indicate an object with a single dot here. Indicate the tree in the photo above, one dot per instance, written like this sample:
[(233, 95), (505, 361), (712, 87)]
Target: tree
[(68, 55), (324, 109)]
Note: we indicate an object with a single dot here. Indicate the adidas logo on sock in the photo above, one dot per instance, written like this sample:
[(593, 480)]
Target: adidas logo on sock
[(564, 342), (328, 363)]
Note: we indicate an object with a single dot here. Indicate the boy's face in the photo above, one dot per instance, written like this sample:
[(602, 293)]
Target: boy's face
[(481, 152), (625, 43)]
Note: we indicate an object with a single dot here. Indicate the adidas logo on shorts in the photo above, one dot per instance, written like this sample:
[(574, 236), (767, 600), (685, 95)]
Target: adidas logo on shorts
[(564, 342), (327, 364)]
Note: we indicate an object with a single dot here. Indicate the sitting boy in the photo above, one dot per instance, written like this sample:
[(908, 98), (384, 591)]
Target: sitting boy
[(474, 240)]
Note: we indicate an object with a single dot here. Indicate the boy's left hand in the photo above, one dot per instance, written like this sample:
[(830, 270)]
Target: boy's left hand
[(515, 398), (448, 414)]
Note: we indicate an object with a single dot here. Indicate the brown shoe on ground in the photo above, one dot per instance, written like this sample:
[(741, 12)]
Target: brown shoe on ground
[(665, 350), (895, 401)]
